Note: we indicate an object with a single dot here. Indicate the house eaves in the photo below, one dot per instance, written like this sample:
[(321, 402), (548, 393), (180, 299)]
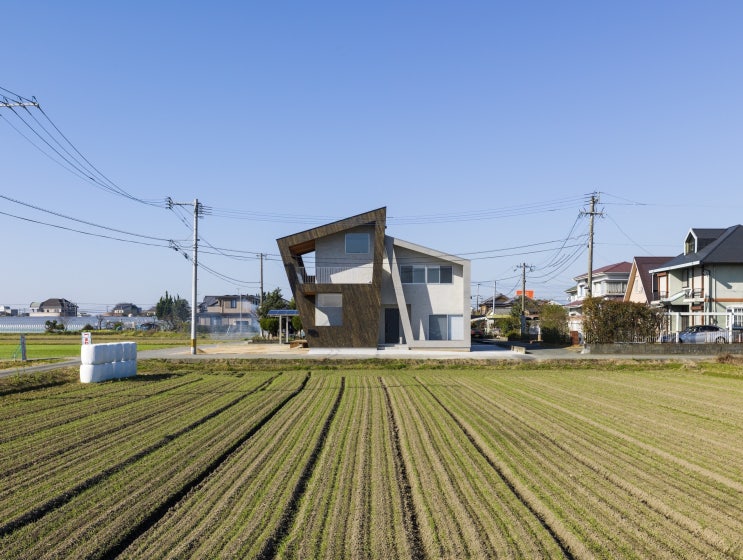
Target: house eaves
[(726, 249), (680, 265)]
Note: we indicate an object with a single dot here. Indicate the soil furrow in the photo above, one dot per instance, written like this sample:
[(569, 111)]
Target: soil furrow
[(559, 539), (270, 547), (58, 501), (410, 518)]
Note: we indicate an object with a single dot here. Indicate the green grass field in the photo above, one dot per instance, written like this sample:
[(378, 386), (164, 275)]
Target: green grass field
[(51, 347), (244, 459)]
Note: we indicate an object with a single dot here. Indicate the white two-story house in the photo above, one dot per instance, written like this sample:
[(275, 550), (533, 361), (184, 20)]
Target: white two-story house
[(356, 287), (607, 282)]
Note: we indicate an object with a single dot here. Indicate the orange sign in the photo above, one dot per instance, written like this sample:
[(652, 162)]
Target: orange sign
[(529, 293)]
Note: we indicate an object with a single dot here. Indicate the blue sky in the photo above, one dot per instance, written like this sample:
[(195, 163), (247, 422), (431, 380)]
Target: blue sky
[(481, 126)]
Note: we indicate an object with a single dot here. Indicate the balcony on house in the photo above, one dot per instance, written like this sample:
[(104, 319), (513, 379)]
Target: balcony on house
[(336, 275)]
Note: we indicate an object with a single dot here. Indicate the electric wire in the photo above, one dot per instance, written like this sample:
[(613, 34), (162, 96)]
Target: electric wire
[(60, 215), (91, 234), (68, 156)]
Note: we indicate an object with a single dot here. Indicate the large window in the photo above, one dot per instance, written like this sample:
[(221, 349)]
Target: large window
[(445, 327), (329, 310), (358, 243), (418, 274)]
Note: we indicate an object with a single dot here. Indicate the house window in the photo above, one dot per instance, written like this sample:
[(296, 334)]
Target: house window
[(357, 243), (329, 310), (426, 274), (447, 275), (233, 304), (445, 327)]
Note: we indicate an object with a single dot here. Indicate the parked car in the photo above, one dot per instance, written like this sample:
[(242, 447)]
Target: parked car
[(700, 334)]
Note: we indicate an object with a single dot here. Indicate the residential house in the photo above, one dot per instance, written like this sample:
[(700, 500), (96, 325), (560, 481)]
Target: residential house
[(485, 316), (229, 313), (704, 284), (607, 282), (54, 307), (356, 287), (502, 307), (640, 283), (126, 310), (6, 311)]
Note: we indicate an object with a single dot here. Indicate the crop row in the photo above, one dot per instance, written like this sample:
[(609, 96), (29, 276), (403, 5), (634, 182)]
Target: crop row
[(66, 456), (98, 518), (353, 505), (420, 464), (244, 508), (37, 412), (618, 495), (468, 509)]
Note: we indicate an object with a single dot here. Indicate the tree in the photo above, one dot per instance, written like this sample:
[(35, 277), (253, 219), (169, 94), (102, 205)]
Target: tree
[(553, 322), (54, 326), (272, 300), (608, 321), (270, 325), (174, 310)]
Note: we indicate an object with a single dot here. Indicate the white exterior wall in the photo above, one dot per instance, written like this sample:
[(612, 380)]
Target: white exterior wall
[(342, 267), (637, 293), (428, 299)]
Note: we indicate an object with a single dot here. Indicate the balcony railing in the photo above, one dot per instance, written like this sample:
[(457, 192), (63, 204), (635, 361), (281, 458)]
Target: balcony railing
[(336, 275)]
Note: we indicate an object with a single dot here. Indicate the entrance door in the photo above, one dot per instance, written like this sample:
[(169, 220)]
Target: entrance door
[(391, 325)]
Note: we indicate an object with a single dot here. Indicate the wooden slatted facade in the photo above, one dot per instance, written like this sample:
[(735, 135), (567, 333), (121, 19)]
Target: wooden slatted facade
[(361, 302)]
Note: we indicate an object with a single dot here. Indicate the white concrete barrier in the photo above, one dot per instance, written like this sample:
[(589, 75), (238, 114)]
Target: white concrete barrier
[(113, 360)]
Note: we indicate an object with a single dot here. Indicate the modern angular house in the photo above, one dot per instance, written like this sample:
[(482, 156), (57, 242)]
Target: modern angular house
[(356, 287)]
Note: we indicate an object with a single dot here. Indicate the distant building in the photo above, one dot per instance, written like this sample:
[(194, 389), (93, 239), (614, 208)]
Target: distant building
[(6, 311), (54, 307), (126, 310), (229, 313)]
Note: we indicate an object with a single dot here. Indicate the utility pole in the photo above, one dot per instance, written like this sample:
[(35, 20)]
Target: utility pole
[(523, 267), (261, 295), (197, 210), (592, 213)]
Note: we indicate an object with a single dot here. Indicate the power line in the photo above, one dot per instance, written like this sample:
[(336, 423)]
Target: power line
[(100, 235), (488, 214), (59, 148), (78, 220)]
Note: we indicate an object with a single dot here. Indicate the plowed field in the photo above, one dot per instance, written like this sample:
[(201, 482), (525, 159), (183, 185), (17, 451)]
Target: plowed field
[(599, 462)]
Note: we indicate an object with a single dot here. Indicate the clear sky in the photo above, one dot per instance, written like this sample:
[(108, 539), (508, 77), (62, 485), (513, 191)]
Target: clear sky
[(483, 127)]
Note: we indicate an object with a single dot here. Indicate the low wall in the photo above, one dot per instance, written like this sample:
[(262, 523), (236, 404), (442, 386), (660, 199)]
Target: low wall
[(665, 349), (113, 360)]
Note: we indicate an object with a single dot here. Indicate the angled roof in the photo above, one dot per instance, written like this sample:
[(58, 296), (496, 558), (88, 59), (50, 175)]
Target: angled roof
[(56, 302), (426, 250), (617, 268), (644, 265), (714, 246), (304, 241)]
